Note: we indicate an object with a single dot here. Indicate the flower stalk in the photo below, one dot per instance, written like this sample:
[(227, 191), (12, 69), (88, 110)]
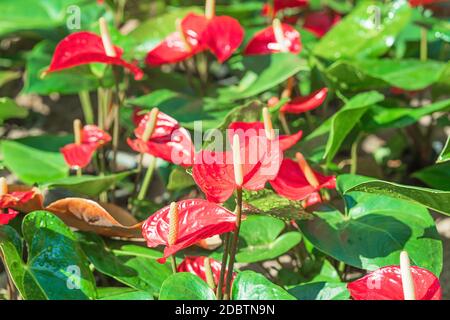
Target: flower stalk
[(223, 269), (209, 274)]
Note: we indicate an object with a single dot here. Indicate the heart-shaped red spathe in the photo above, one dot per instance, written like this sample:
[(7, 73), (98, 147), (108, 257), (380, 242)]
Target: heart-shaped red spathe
[(78, 156), (83, 48), (264, 41), (306, 103), (292, 183), (164, 126), (197, 219), (214, 171), (386, 284), (6, 215), (320, 22), (196, 265), (246, 130), (91, 134)]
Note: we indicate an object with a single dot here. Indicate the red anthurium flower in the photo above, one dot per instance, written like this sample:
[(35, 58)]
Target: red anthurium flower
[(85, 47), (386, 284), (249, 129), (194, 220), (167, 140), (6, 215), (9, 200), (319, 22), (214, 172), (78, 155), (276, 38), (297, 181), (91, 134), (306, 103), (196, 265)]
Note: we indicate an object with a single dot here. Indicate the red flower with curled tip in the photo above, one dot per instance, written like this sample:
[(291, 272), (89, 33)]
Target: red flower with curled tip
[(196, 265), (221, 35), (216, 172), (297, 181), (84, 47), (10, 200), (397, 283), (183, 224), (306, 103), (320, 22), (79, 154), (279, 37), (167, 139)]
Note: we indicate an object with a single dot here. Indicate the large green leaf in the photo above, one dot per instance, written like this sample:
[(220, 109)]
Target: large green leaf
[(56, 268), (445, 153), (87, 185), (374, 231), (266, 202), (359, 36), (132, 265), (122, 293), (66, 82), (321, 291), (342, 122), (9, 109), (249, 285), (437, 176), (36, 159), (407, 74), (437, 200), (260, 239), (263, 72), (185, 286)]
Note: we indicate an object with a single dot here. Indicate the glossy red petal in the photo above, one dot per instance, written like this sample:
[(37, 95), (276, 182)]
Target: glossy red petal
[(91, 134), (386, 284), (306, 103), (172, 49), (165, 125), (320, 22), (196, 265), (78, 155), (83, 48), (288, 141), (198, 219), (193, 26), (223, 36), (137, 116), (264, 42), (14, 198), (292, 183), (10, 214)]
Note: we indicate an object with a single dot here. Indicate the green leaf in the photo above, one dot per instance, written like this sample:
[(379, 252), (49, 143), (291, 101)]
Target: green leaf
[(131, 265), (87, 185), (260, 239), (179, 179), (445, 153), (437, 176), (342, 122), (36, 159), (437, 200), (121, 293), (185, 286), (7, 76), (56, 268), (263, 72), (9, 109), (321, 291), (266, 202), (65, 82), (374, 231), (358, 36), (249, 285)]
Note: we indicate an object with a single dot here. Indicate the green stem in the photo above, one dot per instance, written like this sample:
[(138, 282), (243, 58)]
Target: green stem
[(173, 262), (86, 105), (209, 274), (423, 44), (234, 243), (354, 155), (147, 179), (223, 268)]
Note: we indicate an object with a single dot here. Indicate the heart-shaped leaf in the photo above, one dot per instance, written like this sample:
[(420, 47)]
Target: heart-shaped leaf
[(260, 239), (320, 291), (56, 268), (90, 186), (36, 159), (374, 230), (185, 286), (437, 200), (9, 109), (249, 285), (132, 265), (106, 218)]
